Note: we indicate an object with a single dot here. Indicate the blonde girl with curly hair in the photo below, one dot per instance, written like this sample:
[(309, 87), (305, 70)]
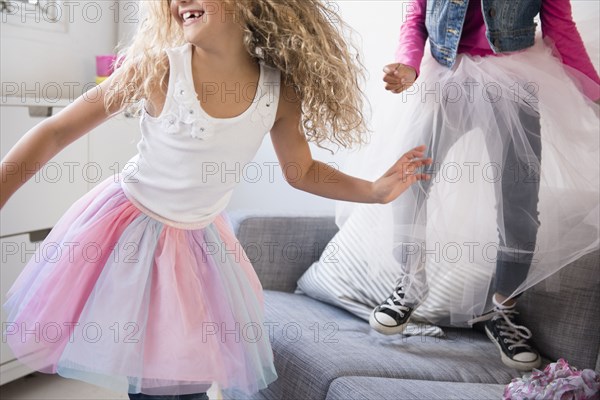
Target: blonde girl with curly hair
[(209, 79)]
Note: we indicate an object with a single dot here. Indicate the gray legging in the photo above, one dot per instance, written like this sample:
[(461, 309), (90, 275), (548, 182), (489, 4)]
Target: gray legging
[(519, 191)]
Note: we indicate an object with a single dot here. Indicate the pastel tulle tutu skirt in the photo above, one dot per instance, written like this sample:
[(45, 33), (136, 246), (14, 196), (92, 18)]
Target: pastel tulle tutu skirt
[(119, 299), (514, 194)]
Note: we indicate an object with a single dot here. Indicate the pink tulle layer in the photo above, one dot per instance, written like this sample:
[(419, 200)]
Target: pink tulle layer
[(119, 299)]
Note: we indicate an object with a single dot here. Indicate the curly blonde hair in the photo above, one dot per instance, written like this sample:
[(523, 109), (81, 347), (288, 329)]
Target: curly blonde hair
[(304, 39)]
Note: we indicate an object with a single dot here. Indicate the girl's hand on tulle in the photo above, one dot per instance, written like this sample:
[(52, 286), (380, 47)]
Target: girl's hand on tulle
[(398, 77), (401, 175)]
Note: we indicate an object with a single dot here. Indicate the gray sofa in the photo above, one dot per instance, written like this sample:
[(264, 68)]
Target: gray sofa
[(325, 353)]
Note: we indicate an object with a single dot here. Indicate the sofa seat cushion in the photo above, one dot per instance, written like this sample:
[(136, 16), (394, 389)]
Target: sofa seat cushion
[(372, 388), (315, 343)]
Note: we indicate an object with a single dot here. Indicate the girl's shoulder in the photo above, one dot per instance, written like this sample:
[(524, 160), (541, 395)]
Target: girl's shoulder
[(289, 104)]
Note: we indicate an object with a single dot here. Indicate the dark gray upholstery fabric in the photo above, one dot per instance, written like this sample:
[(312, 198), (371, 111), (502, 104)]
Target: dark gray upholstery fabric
[(282, 248), (567, 323), (315, 343), (335, 345), (367, 388)]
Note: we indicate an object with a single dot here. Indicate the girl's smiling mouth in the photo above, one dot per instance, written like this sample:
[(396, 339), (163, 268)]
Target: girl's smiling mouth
[(191, 16)]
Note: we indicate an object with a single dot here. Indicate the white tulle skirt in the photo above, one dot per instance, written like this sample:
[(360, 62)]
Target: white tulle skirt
[(514, 194)]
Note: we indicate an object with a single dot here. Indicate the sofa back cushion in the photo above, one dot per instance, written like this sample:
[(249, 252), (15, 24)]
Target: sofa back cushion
[(565, 322), (282, 248), (563, 313)]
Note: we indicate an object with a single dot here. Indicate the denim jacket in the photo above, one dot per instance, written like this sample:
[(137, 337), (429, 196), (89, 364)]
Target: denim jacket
[(509, 23)]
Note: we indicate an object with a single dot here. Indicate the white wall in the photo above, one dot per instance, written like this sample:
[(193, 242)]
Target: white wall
[(36, 53), (377, 24), (130, 15), (31, 55)]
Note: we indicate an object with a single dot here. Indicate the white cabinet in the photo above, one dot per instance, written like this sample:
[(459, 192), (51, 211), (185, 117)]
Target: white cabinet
[(38, 204), (47, 195), (16, 251), (111, 145)]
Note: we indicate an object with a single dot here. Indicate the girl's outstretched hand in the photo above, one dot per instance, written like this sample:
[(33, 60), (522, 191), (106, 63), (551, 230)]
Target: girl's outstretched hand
[(401, 175), (398, 77)]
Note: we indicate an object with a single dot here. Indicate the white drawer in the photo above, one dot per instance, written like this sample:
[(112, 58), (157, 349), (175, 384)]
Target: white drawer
[(16, 252)]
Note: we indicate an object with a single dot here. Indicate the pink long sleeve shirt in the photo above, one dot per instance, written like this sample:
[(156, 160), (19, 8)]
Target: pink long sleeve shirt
[(557, 24)]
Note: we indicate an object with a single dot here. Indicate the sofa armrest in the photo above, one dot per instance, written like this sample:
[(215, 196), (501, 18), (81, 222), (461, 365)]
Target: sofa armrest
[(282, 248)]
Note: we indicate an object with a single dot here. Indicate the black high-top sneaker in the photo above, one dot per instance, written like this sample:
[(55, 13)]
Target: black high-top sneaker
[(391, 316), (511, 339)]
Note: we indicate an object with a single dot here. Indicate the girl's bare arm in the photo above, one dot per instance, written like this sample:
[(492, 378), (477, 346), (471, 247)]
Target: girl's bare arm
[(45, 140), (316, 177)]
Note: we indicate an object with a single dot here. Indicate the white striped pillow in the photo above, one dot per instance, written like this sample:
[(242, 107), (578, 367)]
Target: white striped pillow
[(342, 277)]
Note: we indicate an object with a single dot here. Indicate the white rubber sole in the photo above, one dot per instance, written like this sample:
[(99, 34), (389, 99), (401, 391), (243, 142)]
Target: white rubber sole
[(384, 329), (521, 366)]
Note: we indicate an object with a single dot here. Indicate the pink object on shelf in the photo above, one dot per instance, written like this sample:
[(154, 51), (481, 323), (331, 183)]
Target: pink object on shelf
[(105, 64)]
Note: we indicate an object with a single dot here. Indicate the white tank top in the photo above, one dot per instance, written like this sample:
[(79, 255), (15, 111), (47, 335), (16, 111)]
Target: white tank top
[(189, 162)]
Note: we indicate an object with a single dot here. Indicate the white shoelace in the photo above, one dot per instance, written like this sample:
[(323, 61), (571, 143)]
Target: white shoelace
[(391, 304), (515, 335), (512, 334), (398, 303)]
